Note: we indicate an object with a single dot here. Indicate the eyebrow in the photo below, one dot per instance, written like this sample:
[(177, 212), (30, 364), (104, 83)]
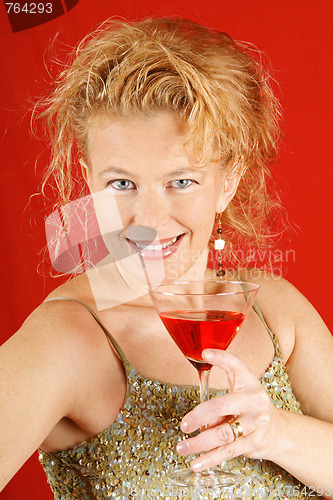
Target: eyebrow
[(174, 173), (113, 170)]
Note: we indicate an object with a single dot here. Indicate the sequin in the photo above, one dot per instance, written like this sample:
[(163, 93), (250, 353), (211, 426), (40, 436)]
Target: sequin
[(131, 459)]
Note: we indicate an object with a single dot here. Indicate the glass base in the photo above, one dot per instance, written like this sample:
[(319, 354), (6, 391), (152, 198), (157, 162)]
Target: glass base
[(210, 478)]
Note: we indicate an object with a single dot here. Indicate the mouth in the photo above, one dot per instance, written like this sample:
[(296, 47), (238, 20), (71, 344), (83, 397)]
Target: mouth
[(163, 249)]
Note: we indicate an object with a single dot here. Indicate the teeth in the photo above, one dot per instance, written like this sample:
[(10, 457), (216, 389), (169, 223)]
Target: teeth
[(151, 247), (157, 247)]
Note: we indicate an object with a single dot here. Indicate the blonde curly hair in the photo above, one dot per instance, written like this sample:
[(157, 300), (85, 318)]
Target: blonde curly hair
[(220, 87)]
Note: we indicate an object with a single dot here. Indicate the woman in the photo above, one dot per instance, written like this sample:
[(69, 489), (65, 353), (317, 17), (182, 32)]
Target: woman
[(173, 126)]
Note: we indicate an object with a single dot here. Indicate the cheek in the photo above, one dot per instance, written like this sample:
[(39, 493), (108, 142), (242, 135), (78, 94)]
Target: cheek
[(204, 211), (201, 222)]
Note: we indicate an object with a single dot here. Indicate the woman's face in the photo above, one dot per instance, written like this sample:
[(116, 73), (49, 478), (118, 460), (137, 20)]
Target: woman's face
[(144, 163)]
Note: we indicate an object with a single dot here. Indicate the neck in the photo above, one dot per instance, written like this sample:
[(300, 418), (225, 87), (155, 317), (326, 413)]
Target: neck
[(127, 280)]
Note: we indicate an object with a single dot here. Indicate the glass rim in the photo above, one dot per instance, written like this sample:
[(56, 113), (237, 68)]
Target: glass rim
[(254, 286)]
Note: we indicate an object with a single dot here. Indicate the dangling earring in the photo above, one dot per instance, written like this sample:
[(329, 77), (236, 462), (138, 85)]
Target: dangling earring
[(219, 245)]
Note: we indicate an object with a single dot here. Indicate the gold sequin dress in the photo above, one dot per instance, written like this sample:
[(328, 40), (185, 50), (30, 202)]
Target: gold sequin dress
[(131, 459)]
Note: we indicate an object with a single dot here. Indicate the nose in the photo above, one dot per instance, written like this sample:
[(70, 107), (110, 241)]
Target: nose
[(151, 210)]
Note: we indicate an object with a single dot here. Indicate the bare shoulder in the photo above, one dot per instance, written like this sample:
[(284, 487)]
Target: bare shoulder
[(55, 341), (275, 300), (40, 371), (277, 293), (59, 322), (75, 288), (64, 331), (62, 318), (277, 296), (58, 336), (268, 282), (286, 310)]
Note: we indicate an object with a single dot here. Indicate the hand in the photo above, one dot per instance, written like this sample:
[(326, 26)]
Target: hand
[(248, 402)]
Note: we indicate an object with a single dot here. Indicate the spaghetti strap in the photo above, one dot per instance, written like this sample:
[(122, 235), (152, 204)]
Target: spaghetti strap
[(258, 311), (114, 343)]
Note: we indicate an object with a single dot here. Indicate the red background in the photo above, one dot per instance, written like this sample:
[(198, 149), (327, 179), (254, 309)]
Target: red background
[(297, 36)]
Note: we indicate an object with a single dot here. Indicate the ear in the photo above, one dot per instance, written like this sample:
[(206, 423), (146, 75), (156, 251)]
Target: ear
[(228, 190), (85, 171)]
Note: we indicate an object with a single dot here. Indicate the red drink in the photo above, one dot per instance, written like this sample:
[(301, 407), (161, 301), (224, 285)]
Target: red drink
[(193, 331)]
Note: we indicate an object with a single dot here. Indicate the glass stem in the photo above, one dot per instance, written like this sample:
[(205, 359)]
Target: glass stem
[(204, 389)]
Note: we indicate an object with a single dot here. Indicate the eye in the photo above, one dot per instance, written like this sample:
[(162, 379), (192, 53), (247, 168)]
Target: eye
[(180, 183), (121, 184)]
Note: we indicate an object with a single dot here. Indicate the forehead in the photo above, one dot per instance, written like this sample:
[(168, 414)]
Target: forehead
[(160, 133)]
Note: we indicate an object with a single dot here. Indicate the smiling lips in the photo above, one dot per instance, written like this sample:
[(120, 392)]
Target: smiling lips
[(163, 249)]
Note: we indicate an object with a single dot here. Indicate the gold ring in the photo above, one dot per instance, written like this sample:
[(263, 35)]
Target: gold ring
[(236, 428)]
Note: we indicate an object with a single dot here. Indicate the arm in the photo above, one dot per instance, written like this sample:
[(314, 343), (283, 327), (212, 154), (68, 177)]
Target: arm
[(40, 370), (301, 444), (309, 439)]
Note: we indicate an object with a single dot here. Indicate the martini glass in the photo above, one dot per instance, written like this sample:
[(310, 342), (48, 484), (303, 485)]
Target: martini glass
[(199, 315)]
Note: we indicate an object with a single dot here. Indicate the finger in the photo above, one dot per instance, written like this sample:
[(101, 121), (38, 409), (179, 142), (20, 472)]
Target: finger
[(242, 446), (232, 403), (238, 374), (210, 439), (218, 421)]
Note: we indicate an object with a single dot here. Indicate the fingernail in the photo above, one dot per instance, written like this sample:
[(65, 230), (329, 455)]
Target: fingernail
[(208, 353), (182, 447), (197, 466), (184, 426)]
